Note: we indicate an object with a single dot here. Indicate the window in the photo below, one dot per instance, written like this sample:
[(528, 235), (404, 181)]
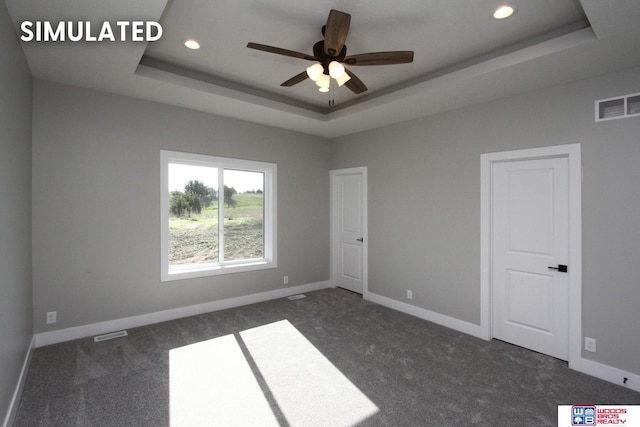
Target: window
[(218, 215)]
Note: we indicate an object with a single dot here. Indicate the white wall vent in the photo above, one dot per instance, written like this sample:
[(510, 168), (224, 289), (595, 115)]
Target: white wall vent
[(618, 108)]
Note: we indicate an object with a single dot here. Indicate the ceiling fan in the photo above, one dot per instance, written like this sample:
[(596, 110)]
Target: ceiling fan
[(331, 53)]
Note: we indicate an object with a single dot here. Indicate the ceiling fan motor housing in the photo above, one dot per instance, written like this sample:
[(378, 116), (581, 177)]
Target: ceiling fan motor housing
[(324, 59)]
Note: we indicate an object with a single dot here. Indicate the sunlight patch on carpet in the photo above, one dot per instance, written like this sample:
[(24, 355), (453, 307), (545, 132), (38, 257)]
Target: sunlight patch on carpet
[(258, 377), (308, 388), (211, 383)]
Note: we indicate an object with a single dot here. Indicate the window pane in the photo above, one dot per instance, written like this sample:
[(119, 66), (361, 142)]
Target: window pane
[(243, 215), (193, 215)]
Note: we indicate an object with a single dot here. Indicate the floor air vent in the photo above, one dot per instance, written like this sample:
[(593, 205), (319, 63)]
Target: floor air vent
[(295, 297), (109, 336)]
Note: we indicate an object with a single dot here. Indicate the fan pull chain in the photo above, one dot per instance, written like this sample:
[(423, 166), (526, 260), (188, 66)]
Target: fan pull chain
[(332, 100)]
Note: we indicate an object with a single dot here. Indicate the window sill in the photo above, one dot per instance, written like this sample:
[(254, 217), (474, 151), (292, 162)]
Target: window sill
[(204, 270)]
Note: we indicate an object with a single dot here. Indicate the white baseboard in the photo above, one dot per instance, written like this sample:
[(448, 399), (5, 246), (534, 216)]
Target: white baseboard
[(589, 367), (611, 374), (68, 334), (440, 319), (15, 399)]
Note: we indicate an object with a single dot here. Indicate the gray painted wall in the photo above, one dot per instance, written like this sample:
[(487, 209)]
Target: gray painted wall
[(16, 326), (424, 203), (96, 222)]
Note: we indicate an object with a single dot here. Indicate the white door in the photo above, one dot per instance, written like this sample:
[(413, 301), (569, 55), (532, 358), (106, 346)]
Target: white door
[(530, 250), (348, 225)]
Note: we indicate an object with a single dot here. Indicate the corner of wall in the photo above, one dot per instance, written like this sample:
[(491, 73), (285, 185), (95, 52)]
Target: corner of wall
[(15, 400)]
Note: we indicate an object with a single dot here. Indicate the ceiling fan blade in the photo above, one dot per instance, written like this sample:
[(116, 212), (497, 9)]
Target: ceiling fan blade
[(380, 58), (335, 32), (296, 79), (355, 84), (280, 51)]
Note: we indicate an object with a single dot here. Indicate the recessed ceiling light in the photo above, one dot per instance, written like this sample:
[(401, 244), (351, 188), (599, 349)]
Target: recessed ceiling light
[(504, 11), (192, 44)]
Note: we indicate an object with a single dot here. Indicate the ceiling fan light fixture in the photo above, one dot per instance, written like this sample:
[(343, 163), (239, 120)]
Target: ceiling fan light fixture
[(315, 71), (336, 69), (192, 44), (324, 81), (343, 79), (323, 89), (504, 11)]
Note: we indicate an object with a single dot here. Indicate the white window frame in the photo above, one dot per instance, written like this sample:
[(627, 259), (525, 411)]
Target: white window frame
[(269, 259)]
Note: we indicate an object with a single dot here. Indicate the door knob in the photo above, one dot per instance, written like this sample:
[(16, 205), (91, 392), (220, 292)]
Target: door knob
[(360, 239), (561, 268)]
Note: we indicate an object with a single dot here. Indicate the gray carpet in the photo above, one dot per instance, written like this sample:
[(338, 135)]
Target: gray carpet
[(330, 359)]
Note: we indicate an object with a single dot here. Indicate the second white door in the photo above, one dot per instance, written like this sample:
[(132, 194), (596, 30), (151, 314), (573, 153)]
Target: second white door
[(530, 240), (349, 249)]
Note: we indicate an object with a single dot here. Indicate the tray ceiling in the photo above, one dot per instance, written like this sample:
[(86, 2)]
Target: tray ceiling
[(462, 54)]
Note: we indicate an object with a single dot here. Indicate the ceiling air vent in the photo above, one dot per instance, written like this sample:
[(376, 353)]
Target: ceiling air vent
[(618, 108)]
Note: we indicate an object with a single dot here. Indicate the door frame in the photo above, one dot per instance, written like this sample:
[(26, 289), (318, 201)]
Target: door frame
[(573, 153), (334, 174)]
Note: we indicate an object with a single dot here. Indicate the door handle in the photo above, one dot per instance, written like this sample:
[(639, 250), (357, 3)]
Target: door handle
[(561, 268), (360, 239)]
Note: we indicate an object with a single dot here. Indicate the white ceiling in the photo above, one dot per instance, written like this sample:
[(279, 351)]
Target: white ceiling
[(462, 55)]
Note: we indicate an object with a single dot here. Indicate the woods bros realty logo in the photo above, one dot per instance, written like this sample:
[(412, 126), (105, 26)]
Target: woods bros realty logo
[(596, 415), (86, 31)]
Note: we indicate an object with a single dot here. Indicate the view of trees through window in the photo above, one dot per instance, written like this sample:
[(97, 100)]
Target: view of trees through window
[(196, 200)]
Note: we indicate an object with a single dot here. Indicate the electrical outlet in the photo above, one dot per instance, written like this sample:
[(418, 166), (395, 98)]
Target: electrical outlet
[(285, 280), (409, 294), (590, 344), (52, 317)]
